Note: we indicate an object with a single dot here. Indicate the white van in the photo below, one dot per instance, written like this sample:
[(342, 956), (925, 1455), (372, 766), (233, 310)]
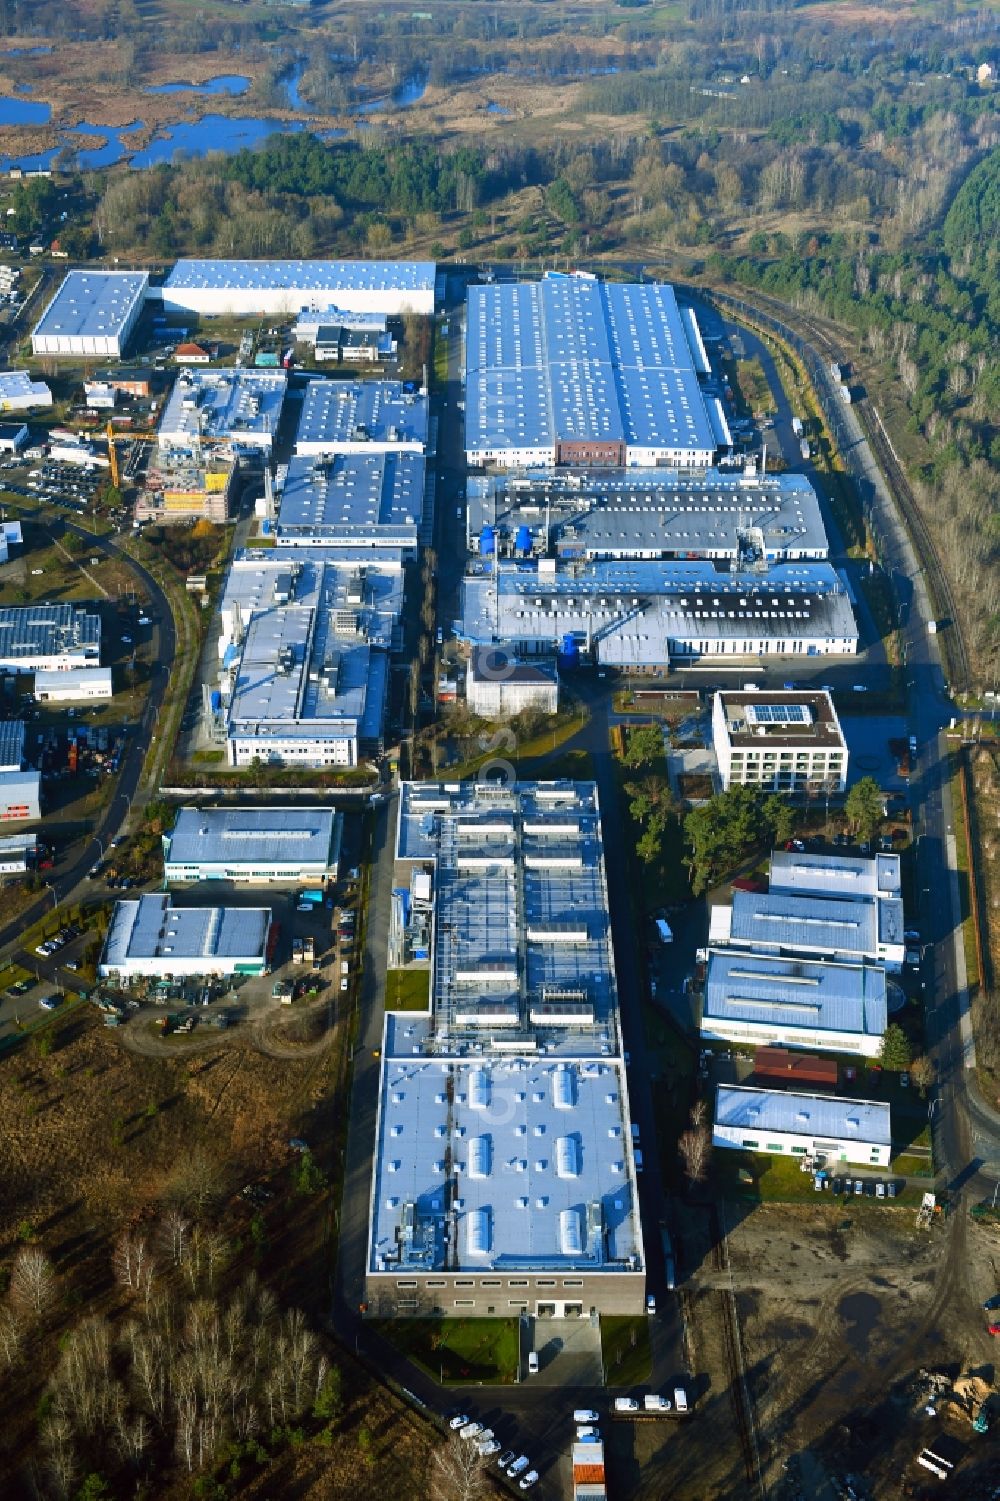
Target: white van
[(680, 1399), (585, 1415), (652, 1402), (626, 1404), (533, 1363)]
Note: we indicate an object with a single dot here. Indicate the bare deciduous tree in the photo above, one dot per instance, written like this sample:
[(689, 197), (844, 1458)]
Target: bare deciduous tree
[(695, 1148), (458, 1472), (32, 1281), (60, 1455), (922, 1074), (10, 1336), (133, 1264)]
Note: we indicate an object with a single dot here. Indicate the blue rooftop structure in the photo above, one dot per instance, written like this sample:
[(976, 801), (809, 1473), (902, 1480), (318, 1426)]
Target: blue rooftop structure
[(572, 370), (763, 1110), (796, 995)]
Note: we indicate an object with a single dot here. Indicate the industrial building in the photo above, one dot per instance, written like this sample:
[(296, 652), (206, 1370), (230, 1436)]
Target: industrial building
[(93, 313), (13, 437), (644, 616), (353, 500), (40, 638), (335, 334), (666, 514), (19, 393), (374, 416), (10, 536), (20, 796), (74, 686), (188, 486), (504, 1175), (154, 939), (570, 370), (18, 854), (241, 289), (498, 686), (822, 906), (242, 407), (783, 742), (304, 651), (11, 744), (800, 1125), (254, 846), (771, 1001)]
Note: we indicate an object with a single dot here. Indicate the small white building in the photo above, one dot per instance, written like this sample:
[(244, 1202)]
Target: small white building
[(783, 742), (152, 938), (254, 846), (799, 1125), (498, 685), (19, 393), (73, 686), (100, 395), (20, 796)]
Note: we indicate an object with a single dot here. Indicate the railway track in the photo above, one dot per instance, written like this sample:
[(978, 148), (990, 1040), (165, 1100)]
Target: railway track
[(818, 346), (739, 1394)]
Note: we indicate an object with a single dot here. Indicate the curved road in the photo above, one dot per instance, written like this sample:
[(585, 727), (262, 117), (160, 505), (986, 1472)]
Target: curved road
[(137, 736)]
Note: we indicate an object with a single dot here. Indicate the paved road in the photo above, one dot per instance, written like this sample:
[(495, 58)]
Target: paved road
[(65, 883)]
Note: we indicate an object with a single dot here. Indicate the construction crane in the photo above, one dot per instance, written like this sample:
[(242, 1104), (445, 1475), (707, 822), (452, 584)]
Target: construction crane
[(112, 439)]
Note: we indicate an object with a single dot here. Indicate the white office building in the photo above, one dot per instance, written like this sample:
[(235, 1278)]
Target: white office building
[(498, 685), (214, 288), (254, 846), (10, 536), (799, 1125), (783, 742), (353, 501), (75, 686), (93, 313), (152, 938)]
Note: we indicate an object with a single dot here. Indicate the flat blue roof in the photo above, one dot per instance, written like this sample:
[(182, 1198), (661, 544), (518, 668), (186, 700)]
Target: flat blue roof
[(818, 1116), (569, 359), (758, 988), (305, 276), (92, 304)]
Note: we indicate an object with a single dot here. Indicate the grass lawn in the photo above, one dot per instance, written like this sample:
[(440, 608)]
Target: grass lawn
[(625, 1350), (909, 1165), (458, 1351), (779, 1180), (407, 989)]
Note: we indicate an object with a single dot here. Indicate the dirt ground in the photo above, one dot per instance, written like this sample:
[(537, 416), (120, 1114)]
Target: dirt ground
[(839, 1312)]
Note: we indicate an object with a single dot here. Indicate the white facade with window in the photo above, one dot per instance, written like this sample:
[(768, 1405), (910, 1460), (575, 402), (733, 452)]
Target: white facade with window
[(779, 741), (799, 1125)]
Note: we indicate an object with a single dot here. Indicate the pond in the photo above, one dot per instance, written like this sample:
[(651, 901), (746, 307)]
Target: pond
[(225, 83), (24, 111), (212, 133), (114, 147), (26, 52), (291, 82), (409, 92)]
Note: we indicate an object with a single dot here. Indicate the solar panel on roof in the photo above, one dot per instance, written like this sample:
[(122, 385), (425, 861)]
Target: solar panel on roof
[(779, 713)]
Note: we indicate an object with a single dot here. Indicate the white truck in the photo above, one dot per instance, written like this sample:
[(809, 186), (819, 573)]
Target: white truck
[(797, 427)]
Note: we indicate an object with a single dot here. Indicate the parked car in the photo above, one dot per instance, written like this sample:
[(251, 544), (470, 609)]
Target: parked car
[(680, 1399), (506, 1458), (650, 1304), (993, 1329), (533, 1363), (49, 1002), (858, 1186), (521, 1463), (470, 1430), (585, 1415), (458, 1421), (529, 1480)]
